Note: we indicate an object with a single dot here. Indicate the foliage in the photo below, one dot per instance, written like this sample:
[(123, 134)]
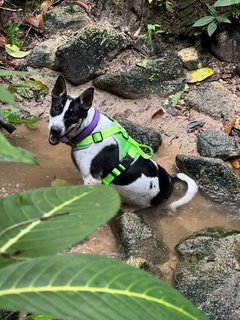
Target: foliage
[(12, 33), (153, 29), (166, 4), (15, 52), (90, 287), (29, 88), (5, 95), (15, 118), (8, 153), (211, 22)]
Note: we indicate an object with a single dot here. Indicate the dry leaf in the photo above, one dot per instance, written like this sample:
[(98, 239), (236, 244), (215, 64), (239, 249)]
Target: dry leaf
[(158, 114), (87, 7), (35, 21), (235, 163), (199, 75), (3, 41), (46, 4), (229, 126)]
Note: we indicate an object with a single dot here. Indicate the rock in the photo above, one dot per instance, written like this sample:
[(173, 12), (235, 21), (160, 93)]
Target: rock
[(214, 177), (207, 273), (217, 144), (160, 77), (213, 99), (139, 240), (156, 47), (43, 55), (85, 53), (141, 134), (190, 58), (62, 17), (226, 45), (145, 265)]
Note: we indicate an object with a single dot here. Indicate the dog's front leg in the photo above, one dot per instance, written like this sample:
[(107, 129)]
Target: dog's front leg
[(90, 180)]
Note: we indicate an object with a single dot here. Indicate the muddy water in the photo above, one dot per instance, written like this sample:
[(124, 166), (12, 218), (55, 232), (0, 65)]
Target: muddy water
[(55, 162)]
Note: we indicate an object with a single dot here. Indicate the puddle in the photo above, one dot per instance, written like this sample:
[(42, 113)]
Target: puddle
[(55, 162)]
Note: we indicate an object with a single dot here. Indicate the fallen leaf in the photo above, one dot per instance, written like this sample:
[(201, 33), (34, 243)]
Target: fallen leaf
[(194, 125), (229, 126), (87, 7), (35, 21), (198, 75), (45, 6), (235, 163), (3, 40), (158, 114), (15, 52)]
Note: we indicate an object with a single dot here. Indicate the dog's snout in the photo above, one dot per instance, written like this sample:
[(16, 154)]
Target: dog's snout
[(56, 131)]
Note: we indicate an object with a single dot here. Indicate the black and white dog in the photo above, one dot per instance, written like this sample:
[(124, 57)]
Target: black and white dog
[(97, 151)]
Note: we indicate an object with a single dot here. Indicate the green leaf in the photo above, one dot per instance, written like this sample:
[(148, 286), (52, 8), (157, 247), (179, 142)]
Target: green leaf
[(7, 97), (143, 63), (37, 317), (48, 220), (15, 52), (176, 97), (4, 73), (224, 3), (223, 18), (211, 28), (10, 116), (28, 88), (9, 153), (80, 287), (203, 21)]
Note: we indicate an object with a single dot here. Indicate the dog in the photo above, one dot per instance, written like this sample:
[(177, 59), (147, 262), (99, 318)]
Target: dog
[(104, 153)]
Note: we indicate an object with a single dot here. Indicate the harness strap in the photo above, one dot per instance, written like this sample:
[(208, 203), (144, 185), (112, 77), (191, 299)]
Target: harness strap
[(131, 148)]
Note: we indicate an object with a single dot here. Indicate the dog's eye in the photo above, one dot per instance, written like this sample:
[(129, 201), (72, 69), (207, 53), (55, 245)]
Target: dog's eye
[(57, 108)]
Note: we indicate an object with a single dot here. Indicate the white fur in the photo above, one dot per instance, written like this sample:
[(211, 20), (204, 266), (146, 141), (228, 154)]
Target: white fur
[(57, 121)]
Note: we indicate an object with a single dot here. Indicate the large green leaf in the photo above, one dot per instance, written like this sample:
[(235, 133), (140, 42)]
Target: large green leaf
[(224, 3), (9, 153), (7, 97), (81, 287), (47, 220), (4, 73)]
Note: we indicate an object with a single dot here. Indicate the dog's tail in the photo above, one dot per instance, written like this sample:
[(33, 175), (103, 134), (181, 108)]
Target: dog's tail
[(192, 190)]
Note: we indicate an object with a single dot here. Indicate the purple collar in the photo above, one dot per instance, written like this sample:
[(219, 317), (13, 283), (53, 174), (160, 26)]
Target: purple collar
[(85, 132)]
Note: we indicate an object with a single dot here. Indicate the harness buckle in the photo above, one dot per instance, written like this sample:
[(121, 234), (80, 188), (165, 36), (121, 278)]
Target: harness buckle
[(125, 134), (97, 137)]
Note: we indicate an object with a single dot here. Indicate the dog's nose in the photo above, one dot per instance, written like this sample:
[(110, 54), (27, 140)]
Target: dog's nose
[(56, 131)]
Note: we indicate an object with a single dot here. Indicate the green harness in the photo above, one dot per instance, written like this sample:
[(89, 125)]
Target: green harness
[(130, 148)]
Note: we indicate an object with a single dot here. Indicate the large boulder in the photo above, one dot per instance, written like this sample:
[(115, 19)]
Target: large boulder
[(226, 45), (213, 99), (141, 134), (159, 77), (217, 144), (209, 273), (214, 177), (83, 56)]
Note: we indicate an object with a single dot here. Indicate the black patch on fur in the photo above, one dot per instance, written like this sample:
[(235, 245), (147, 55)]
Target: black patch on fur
[(151, 185), (106, 160), (165, 186), (74, 113), (58, 104)]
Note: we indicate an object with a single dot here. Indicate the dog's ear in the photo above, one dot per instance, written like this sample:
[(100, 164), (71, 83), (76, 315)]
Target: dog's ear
[(59, 88), (87, 98)]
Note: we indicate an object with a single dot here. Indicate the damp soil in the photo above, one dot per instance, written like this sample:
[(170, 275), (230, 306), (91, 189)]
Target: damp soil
[(55, 165)]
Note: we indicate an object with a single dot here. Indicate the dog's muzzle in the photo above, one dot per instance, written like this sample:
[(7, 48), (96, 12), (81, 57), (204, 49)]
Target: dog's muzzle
[(55, 136)]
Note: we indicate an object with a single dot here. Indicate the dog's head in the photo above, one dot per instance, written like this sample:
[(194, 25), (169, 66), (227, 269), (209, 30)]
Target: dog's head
[(67, 113)]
